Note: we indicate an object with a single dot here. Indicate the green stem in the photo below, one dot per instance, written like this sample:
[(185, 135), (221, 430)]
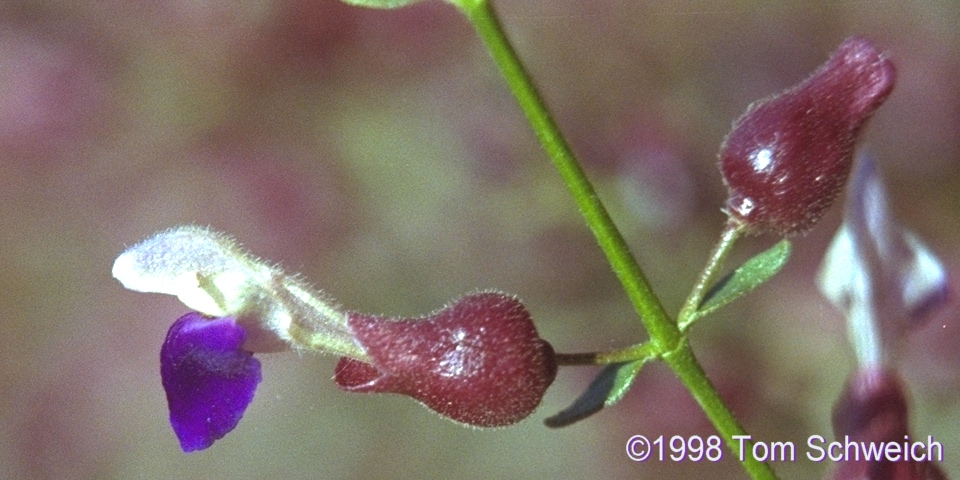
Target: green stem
[(665, 335), (685, 365), (719, 254), (659, 325)]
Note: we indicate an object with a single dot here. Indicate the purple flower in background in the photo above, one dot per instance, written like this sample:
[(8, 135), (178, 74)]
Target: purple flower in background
[(884, 279), (209, 378)]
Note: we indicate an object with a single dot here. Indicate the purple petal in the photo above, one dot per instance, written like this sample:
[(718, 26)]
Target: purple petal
[(209, 380)]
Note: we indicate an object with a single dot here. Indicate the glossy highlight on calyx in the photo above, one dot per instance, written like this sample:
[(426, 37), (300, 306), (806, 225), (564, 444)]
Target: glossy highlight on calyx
[(788, 157)]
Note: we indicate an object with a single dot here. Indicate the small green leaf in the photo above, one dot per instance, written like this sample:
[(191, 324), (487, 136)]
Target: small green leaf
[(608, 388), (745, 279), (381, 3), (622, 381)]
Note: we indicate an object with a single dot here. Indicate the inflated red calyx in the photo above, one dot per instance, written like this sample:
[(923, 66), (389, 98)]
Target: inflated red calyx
[(787, 158), (872, 410), (873, 406), (479, 361)]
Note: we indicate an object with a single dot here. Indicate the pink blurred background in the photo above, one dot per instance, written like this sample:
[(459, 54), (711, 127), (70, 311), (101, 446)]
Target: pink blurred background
[(379, 154)]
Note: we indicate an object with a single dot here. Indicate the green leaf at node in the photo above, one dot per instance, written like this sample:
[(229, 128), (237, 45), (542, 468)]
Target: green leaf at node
[(753, 273), (608, 388)]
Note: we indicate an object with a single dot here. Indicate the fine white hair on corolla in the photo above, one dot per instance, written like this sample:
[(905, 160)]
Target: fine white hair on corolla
[(210, 273)]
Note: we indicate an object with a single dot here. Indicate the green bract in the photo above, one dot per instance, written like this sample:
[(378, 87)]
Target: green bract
[(746, 278), (606, 389)]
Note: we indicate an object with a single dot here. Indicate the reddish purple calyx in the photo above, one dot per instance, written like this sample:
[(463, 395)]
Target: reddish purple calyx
[(872, 413), (478, 361), (873, 406), (787, 158)]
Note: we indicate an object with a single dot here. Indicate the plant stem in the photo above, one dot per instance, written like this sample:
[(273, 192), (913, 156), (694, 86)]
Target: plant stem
[(731, 232), (643, 351), (577, 359), (685, 365), (659, 325), (666, 337)]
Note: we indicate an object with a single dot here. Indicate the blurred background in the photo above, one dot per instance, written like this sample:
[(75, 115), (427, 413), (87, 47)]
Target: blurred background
[(380, 154)]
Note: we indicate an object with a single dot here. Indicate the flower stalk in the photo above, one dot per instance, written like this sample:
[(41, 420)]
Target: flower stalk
[(688, 313)]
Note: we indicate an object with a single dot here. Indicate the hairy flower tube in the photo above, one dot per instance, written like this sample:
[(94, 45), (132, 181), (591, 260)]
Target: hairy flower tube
[(787, 158), (478, 361), (879, 273), (211, 274)]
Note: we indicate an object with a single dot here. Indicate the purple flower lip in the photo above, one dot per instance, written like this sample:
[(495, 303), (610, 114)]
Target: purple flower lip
[(887, 282), (209, 379), (479, 361)]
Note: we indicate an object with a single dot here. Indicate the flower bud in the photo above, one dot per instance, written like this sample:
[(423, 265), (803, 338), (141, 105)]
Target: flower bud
[(478, 361), (788, 157)]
